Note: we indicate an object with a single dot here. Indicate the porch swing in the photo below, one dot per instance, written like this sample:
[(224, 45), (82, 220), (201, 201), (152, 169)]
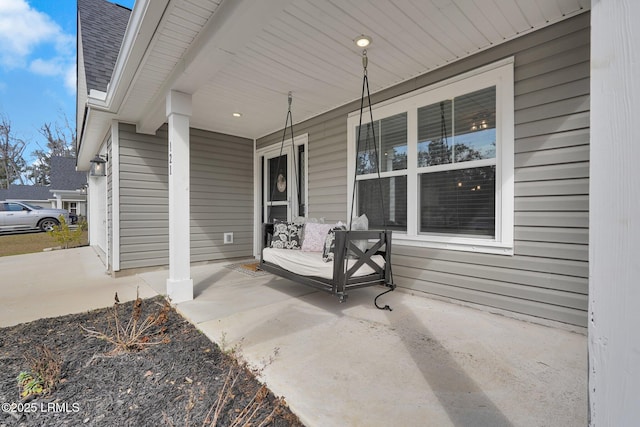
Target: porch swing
[(360, 258)]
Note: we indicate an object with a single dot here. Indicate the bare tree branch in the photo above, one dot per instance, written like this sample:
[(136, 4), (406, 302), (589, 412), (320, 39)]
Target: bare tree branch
[(12, 163), (61, 141)]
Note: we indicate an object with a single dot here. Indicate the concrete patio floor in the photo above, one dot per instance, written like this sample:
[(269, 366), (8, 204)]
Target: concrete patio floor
[(426, 363)]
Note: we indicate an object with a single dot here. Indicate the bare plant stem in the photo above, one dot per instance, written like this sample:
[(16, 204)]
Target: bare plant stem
[(134, 335)]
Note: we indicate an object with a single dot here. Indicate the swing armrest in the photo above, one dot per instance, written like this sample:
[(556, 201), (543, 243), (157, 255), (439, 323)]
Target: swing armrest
[(267, 235), (346, 244)]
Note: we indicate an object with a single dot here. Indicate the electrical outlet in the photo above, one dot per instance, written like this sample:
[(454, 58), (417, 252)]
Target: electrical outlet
[(228, 238)]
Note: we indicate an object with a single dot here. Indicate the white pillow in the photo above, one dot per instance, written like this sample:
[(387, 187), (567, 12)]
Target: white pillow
[(361, 223), (314, 235)]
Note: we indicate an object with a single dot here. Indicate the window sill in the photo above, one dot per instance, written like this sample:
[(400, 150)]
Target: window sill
[(455, 244)]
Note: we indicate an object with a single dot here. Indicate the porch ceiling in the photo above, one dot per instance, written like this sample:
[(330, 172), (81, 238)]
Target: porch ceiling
[(243, 56)]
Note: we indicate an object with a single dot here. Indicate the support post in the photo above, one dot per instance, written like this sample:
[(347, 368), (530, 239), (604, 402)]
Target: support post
[(614, 212), (179, 283)]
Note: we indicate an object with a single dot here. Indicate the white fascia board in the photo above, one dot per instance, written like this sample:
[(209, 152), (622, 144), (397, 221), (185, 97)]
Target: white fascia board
[(96, 126), (96, 97), (65, 192), (145, 16)]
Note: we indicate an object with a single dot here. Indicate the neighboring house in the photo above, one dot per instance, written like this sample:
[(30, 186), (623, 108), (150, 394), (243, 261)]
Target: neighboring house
[(505, 220), (67, 188), (35, 194)]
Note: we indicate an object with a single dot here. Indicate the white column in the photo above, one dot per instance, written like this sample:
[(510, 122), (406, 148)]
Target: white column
[(58, 201), (614, 215), (179, 283)]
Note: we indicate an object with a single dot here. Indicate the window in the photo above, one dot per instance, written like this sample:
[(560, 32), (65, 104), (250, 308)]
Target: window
[(385, 139), (445, 174), (14, 207), (458, 197)]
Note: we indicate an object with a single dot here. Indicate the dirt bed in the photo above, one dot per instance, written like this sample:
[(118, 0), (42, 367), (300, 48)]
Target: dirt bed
[(174, 383)]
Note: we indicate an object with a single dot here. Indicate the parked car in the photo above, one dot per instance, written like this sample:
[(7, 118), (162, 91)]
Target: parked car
[(24, 216), (73, 218)]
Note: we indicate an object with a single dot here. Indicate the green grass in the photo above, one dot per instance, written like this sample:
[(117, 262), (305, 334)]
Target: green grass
[(26, 243)]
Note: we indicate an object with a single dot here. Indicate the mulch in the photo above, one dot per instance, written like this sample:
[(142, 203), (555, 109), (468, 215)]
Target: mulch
[(174, 383)]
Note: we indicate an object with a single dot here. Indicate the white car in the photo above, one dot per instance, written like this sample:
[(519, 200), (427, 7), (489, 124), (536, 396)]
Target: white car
[(23, 216)]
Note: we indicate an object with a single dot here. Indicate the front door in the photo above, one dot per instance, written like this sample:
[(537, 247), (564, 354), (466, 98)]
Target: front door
[(277, 187), (281, 185)]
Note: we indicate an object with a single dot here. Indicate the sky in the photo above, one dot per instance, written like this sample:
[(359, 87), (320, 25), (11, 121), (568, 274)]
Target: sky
[(38, 66)]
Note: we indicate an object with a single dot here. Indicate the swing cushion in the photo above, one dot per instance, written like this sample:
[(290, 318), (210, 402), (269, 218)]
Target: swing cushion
[(286, 235), (314, 236), (310, 264)]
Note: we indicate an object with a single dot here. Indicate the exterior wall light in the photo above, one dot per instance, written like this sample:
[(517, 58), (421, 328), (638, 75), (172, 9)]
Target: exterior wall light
[(99, 165)]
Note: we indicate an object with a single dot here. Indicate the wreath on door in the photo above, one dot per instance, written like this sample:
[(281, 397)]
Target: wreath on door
[(281, 183)]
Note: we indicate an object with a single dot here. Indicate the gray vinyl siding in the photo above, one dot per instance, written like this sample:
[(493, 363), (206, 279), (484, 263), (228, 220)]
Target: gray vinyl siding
[(221, 197), (547, 276), (144, 198)]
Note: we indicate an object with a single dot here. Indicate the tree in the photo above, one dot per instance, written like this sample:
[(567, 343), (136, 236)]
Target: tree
[(61, 141), (12, 163)]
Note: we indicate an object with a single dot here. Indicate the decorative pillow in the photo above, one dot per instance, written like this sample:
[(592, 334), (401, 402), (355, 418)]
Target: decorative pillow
[(330, 243), (361, 223), (314, 236), (286, 235)]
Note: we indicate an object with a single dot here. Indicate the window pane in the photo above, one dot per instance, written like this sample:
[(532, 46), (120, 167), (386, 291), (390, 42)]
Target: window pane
[(277, 212), (367, 160), (278, 179), (394, 192), (302, 180), (434, 134), (460, 202), (475, 130), (391, 135), (464, 127)]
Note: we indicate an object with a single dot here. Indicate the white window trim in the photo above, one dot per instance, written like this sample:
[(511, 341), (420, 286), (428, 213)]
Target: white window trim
[(499, 74), (274, 149), (115, 196)]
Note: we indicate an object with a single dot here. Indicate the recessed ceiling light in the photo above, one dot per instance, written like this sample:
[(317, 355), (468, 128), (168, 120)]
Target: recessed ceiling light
[(236, 114), (363, 41)]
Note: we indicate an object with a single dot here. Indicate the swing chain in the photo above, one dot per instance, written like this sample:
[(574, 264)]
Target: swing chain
[(365, 60), (365, 89), (287, 124)]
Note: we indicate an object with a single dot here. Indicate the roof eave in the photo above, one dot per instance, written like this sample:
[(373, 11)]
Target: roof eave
[(145, 16)]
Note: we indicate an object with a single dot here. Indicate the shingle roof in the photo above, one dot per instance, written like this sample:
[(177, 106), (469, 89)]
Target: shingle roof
[(64, 175), (26, 192), (102, 26)]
